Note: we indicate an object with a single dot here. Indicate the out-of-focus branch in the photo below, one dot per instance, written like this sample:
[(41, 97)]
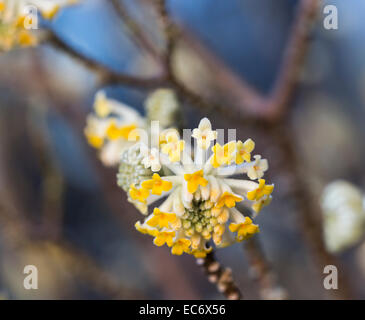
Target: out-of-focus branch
[(228, 81), (137, 33), (262, 272), (220, 276), (52, 179), (293, 59), (106, 75), (246, 99), (170, 34), (309, 212)]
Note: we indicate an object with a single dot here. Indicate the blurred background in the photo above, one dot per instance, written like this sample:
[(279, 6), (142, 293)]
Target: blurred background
[(61, 210)]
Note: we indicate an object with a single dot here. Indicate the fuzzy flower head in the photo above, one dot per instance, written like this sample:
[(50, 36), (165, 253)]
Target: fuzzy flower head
[(343, 215), (163, 106), (19, 20), (112, 128), (198, 198)]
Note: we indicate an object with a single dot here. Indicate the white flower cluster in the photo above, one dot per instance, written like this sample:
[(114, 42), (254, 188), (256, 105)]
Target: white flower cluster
[(343, 215), (200, 198)]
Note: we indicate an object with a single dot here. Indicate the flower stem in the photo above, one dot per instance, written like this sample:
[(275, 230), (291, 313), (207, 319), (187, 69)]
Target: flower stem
[(263, 273), (220, 276)]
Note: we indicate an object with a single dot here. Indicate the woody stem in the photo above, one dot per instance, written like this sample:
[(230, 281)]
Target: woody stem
[(220, 276)]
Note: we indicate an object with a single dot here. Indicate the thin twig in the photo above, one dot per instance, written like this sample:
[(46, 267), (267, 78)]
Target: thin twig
[(309, 212), (293, 59), (52, 180), (170, 34), (220, 276), (136, 31), (107, 75), (244, 99), (251, 103), (262, 272)]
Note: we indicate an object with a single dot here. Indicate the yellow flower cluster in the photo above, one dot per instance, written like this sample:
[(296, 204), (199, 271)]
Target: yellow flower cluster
[(18, 19), (12, 29), (233, 151), (112, 128)]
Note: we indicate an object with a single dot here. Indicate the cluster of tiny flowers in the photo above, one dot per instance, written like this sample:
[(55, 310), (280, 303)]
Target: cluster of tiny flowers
[(163, 106), (198, 197), (17, 20), (114, 127)]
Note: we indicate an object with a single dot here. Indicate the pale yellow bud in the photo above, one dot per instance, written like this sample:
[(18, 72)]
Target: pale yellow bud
[(186, 224), (223, 217), (216, 211), (213, 221), (219, 229), (195, 241), (198, 227), (217, 239)]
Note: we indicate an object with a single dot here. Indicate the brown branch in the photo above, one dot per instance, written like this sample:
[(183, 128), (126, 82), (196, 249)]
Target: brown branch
[(137, 33), (262, 272), (294, 57), (170, 34), (220, 276), (107, 75), (309, 212), (52, 185), (250, 103), (227, 80), (246, 99)]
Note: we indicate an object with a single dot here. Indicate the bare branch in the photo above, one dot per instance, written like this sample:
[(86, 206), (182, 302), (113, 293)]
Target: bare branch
[(136, 31), (170, 33), (220, 276), (262, 272), (293, 59), (309, 212), (246, 99), (108, 76)]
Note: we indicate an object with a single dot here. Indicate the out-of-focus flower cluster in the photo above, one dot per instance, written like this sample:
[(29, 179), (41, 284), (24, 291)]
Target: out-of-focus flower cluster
[(114, 127), (344, 215), (196, 194), (19, 19)]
